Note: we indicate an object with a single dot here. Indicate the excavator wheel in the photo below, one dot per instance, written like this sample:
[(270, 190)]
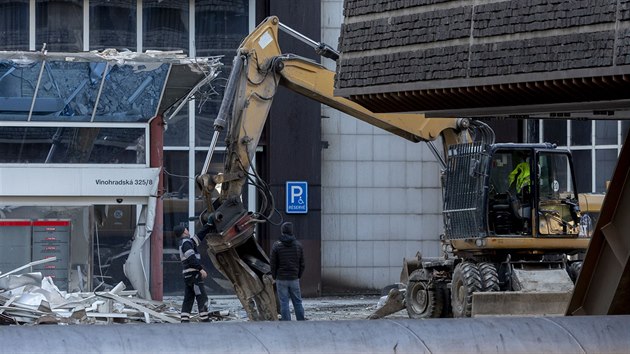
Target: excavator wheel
[(489, 276), (422, 302), (466, 281)]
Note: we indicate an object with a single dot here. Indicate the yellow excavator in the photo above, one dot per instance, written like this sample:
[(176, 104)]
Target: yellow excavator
[(512, 217)]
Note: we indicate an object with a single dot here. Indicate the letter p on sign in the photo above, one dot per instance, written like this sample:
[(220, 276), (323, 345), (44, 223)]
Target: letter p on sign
[(297, 197)]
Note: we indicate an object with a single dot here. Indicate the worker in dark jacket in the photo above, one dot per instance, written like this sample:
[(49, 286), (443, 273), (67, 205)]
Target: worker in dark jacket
[(287, 267), (193, 272)]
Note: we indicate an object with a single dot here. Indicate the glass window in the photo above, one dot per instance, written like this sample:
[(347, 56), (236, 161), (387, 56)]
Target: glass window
[(206, 112), (131, 93), (220, 26), (606, 132), (176, 133), (176, 166), (165, 25), (17, 89), (59, 25), (606, 160), (555, 131), (68, 90), (555, 187), (72, 86), (14, 25), (581, 132), (583, 166), (112, 24), (72, 145)]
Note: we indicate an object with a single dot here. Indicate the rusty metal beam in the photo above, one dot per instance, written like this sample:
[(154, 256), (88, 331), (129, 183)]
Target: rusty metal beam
[(603, 287)]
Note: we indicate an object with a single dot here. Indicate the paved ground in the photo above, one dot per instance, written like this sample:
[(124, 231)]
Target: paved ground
[(331, 308)]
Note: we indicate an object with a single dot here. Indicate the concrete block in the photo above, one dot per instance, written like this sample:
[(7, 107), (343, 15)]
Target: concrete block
[(380, 254), (330, 200), (382, 172), (365, 174), (365, 250), (348, 174), (365, 150), (365, 128), (347, 125), (415, 200), (348, 253), (331, 227), (348, 226), (331, 173), (365, 227), (347, 200), (430, 175), (431, 200), (331, 254), (413, 174), (393, 197), (348, 145), (365, 200)]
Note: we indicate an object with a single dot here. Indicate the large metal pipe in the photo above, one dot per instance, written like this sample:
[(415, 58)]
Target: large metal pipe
[(588, 334)]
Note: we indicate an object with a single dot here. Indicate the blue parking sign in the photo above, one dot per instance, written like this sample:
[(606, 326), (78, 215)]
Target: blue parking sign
[(297, 197)]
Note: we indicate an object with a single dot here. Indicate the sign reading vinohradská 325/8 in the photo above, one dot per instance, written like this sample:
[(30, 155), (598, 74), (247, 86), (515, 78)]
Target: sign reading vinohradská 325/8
[(297, 197)]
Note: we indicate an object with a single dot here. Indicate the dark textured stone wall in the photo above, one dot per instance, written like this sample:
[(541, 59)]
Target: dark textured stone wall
[(434, 42)]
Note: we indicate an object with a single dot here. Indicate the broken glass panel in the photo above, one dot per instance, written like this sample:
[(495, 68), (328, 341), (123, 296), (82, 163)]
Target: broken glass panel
[(69, 89), (17, 87), (131, 93), (75, 84), (74, 145)]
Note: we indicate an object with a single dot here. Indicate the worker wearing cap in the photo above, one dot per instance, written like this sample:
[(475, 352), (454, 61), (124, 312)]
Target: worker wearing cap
[(193, 272)]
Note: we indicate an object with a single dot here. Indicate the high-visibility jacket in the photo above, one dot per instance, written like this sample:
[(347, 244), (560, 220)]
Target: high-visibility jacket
[(521, 175)]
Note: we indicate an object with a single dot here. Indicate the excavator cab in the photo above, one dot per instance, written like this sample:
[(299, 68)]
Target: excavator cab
[(512, 230), (532, 186)]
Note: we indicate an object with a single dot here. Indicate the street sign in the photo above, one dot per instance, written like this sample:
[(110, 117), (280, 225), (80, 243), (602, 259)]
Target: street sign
[(297, 197)]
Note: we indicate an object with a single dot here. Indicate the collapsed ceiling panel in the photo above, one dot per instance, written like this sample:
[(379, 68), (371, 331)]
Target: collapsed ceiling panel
[(501, 57), (106, 86)]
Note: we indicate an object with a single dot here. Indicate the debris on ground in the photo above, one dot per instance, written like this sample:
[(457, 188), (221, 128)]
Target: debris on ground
[(29, 299)]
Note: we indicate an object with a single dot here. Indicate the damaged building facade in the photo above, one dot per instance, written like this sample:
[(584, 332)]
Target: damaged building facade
[(81, 135), (93, 135), (362, 218)]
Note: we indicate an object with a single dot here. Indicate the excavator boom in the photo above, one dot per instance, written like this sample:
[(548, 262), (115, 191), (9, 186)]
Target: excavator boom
[(259, 67)]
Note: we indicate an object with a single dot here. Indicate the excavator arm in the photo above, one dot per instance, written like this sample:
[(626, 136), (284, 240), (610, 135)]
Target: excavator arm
[(259, 67)]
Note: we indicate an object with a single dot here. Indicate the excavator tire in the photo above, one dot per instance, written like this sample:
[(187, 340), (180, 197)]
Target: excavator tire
[(466, 280), (422, 302), (489, 276)]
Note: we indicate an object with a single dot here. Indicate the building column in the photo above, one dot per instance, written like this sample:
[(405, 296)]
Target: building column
[(157, 236)]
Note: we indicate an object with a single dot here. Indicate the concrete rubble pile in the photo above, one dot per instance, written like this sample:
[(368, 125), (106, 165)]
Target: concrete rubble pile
[(30, 299)]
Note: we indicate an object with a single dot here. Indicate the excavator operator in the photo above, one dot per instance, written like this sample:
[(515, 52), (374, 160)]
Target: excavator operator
[(520, 202), (520, 174)]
